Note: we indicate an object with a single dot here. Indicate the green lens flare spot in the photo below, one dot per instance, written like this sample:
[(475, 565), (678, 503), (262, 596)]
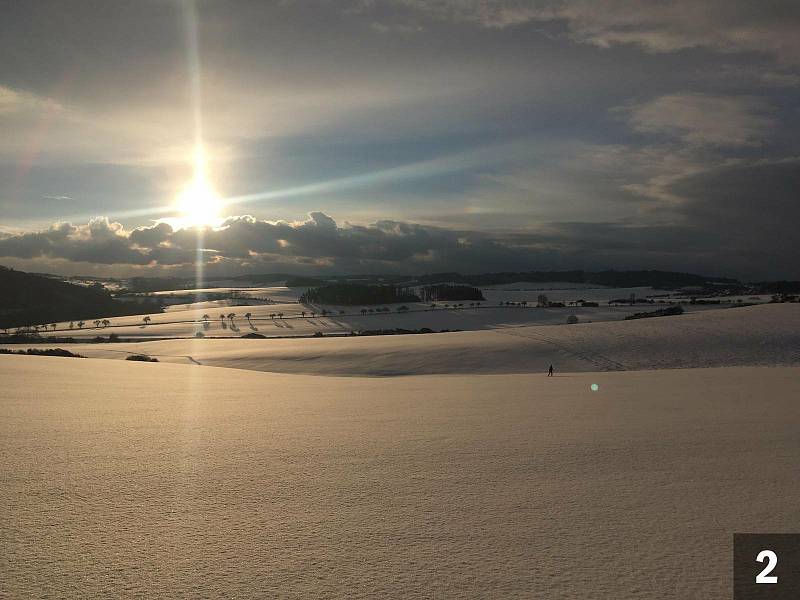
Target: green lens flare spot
[(594, 387)]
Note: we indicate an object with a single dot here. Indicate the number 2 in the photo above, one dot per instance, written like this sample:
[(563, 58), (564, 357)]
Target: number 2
[(764, 576)]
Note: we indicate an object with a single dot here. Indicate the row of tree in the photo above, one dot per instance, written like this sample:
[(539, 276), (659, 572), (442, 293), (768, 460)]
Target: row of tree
[(36, 329)]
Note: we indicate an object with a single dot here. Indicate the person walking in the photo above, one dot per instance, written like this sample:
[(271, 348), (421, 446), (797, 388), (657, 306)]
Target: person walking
[(550, 371)]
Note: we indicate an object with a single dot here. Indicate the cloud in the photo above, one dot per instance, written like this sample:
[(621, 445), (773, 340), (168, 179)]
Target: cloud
[(149, 237), (722, 25), (246, 241), (731, 231), (704, 119), (725, 222), (98, 241), (749, 207), (487, 118), (36, 128), (488, 13), (15, 102)]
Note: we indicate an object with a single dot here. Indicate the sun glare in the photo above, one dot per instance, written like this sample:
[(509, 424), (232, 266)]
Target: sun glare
[(199, 205)]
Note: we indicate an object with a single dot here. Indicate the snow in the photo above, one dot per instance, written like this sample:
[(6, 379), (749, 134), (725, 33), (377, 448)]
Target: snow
[(565, 292), (185, 320), (167, 480), (754, 335), (474, 475), (277, 293), (543, 286)]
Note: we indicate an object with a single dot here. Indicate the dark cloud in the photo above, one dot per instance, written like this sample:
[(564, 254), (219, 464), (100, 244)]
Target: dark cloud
[(245, 243), (749, 211), (739, 220), (722, 233), (98, 241), (151, 236)]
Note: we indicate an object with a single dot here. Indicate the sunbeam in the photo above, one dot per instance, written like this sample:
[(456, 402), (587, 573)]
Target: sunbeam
[(483, 156), (198, 203)]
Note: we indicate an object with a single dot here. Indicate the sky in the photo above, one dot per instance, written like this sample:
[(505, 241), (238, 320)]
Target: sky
[(400, 136)]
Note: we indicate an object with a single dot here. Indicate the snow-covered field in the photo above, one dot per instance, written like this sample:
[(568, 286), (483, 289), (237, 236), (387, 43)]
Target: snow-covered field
[(186, 320), (753, 335), (474, 475), (565, 292), (284, 316), (276, 293), (179, 481)]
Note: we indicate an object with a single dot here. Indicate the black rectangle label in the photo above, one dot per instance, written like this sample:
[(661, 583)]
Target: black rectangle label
[(766, 566)]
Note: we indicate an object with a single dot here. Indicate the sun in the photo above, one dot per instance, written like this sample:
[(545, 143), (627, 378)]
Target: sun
[(199, 205)]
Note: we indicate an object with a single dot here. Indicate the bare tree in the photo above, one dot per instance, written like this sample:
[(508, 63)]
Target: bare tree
[(81, 324), (96, 323), (146, 320), (106, 322)]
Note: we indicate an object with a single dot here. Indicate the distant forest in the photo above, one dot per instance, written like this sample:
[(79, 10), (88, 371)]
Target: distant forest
[(656, 279), (349, 294), (611, 278), (664, 312), (156, 284), (160, 284), (450, 292), (27, 299), (304, 282)]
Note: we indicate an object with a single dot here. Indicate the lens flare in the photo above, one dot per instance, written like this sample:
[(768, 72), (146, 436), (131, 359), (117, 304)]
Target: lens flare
[(199, 205)]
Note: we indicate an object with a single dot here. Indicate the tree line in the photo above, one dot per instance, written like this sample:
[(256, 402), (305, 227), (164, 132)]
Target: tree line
[(347, 294), (27, 299), (442, 292)]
